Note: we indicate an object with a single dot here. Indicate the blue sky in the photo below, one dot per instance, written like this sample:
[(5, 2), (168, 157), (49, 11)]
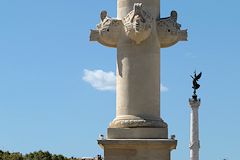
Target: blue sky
[(47, 62)]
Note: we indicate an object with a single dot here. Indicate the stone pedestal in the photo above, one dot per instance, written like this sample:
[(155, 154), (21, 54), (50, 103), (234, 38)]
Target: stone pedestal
[(137, 149)]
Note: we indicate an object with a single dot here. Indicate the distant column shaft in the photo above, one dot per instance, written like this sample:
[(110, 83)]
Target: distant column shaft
[(194, 130)]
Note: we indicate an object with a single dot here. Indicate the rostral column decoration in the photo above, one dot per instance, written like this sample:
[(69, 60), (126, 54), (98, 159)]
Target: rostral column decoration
[(138, 37)]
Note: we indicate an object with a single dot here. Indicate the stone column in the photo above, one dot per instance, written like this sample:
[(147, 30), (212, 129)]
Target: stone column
[(194, 129), (138, 33), (138, 72)]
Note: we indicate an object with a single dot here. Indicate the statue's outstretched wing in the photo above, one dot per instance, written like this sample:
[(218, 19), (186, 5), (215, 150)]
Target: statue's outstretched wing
[(198, 76)]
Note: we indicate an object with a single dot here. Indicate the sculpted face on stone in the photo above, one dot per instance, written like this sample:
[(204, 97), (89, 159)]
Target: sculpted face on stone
[(108, 31), (169, 32), (138, 24)]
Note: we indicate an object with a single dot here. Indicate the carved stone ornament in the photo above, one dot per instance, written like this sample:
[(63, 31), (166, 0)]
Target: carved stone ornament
[(132, 123), (169, 32), (107, 31), (138, 24)]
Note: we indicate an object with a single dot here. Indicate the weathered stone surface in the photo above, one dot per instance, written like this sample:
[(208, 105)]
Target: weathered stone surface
[(169, 32), (138, 24), (108, 31), (137, 149), (137, 133), (136, 122)]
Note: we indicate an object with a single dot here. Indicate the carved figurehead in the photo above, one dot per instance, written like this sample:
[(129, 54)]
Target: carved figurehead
[(138, 24), (107, 31), (169, 32)]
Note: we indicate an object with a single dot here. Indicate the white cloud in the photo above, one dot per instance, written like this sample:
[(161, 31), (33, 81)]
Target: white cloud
[(105, 81), (163, 88)]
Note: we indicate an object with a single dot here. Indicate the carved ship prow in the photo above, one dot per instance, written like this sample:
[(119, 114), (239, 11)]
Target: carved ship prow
[(169, 32)]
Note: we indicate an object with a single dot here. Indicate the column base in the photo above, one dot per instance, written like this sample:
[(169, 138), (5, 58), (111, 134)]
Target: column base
[(137, 149), (129, 121)]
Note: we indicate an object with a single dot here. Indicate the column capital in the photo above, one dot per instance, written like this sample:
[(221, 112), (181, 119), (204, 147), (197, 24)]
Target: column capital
[(194, 103)]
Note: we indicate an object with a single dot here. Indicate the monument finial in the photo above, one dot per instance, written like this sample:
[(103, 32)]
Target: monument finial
[(194, 103), (195, 86)]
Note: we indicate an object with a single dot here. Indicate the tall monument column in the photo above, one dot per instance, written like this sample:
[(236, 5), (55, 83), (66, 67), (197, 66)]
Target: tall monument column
[(138, 131), (194, 103)]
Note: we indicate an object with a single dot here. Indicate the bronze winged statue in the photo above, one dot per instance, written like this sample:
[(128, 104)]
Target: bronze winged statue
[(195, 86)]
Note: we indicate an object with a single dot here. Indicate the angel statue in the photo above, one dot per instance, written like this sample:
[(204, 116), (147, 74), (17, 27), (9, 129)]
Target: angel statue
[(195, 86)]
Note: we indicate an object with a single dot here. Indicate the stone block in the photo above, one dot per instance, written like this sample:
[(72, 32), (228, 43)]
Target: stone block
[(137, 149), (137, 133)]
